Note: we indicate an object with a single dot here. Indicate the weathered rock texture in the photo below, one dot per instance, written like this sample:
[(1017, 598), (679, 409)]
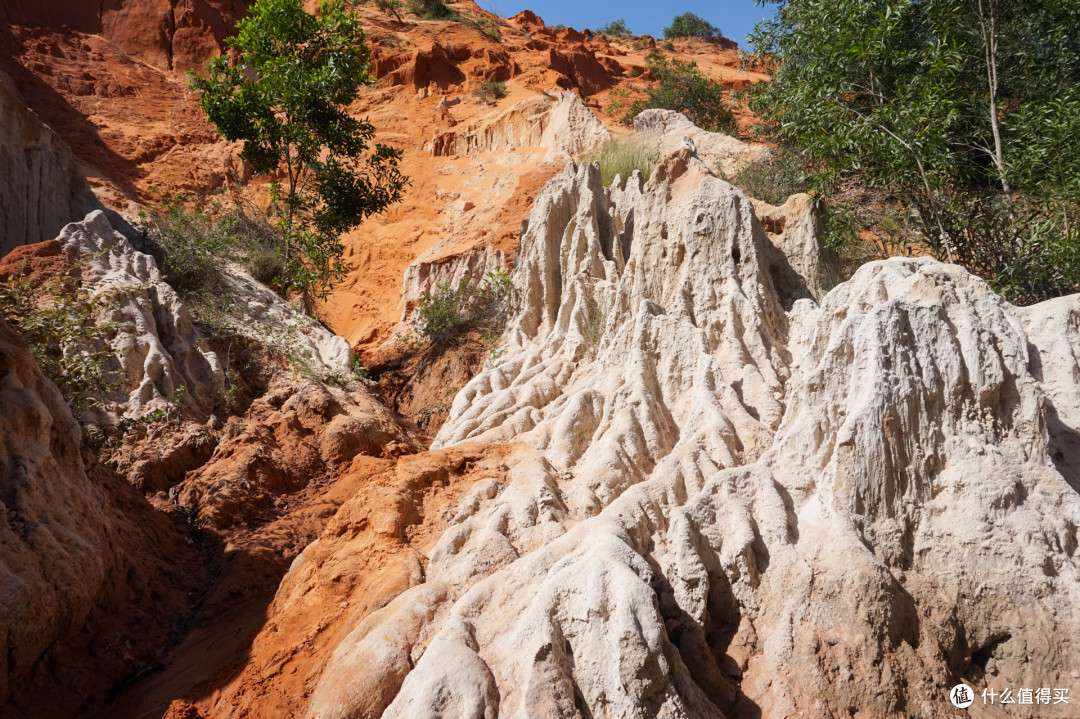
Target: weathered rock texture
[(563, 126), (714, 508), (289, 437), (164, 33), (93, 578), (43, 187), (160, 350), (715, 149), (162, 355)]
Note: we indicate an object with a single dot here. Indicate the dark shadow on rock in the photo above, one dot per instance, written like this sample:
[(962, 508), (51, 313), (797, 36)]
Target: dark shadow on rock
[(1064, 446)]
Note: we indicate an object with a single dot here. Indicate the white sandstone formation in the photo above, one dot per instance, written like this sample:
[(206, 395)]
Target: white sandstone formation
[(795, 229), (718, 509), (562, 125), (158, 346), (715, 149), (162, 355)]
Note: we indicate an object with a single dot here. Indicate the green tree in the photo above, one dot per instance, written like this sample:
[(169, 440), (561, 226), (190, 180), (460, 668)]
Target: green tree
[(957, 105), (616, 28), (285, 93), (681, 86), (690, 25)]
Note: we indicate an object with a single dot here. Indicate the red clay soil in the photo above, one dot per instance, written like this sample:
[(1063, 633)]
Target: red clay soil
[(381, 519)]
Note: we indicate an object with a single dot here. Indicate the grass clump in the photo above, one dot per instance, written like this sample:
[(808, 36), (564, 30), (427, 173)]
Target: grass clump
[(620, 156), (432, 10), (773, 177), (491, 91), (450, 309)]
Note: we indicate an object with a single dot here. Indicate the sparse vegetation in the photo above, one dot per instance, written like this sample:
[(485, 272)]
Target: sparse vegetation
[(285, 92), (774, 177), (449, 309), (690, 25), (491, 91), (432, 10), (620, 156), (438, 10), (616, 29), (681, 86), (194, 237), (391, 7), (58, 319)]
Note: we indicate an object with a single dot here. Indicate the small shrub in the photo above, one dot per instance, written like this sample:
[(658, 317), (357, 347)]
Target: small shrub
[(393, 7), (622, 155), (593, 328), (189, 244), (690, 25), (57, 317), (194, 238), (491, 90), (1028, 255), (432, 10), (444, 313), (774, 177), (616, 29), (681, 86)]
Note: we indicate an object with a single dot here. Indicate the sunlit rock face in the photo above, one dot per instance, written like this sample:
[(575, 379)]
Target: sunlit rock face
[(711, 507)]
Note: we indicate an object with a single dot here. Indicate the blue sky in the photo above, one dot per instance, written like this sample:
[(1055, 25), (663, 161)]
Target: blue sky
[(735, 17)]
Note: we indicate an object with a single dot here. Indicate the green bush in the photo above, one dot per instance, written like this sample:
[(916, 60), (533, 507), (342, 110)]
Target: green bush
[(774, 177), (57, 317), (189, 244), (690, 25), (622, 155), (681, 86), (491, 90), (616, 29), (450, 309), (393, 7), (194, 238), (295, 124), (432, 10), (966, 114)]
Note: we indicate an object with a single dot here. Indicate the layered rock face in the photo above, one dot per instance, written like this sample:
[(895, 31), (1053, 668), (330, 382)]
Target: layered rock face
[(167, 34), (44, 189), (716, 508)]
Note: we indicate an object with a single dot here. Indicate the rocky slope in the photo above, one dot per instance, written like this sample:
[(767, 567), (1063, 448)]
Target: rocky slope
[(840, 509), (177, 501)]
